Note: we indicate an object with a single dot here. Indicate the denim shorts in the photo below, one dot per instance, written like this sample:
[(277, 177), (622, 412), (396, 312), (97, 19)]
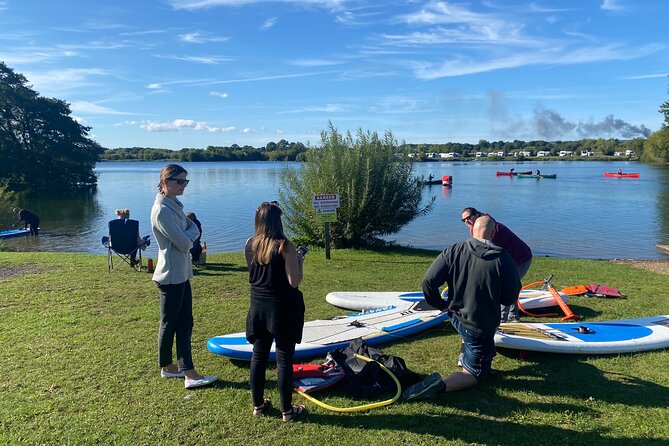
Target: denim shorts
[(479, 349)]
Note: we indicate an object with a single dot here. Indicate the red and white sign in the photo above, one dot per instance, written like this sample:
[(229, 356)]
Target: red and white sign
[(325, 203)]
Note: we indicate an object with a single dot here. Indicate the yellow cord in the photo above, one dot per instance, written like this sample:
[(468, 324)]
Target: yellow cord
[(364, 406)]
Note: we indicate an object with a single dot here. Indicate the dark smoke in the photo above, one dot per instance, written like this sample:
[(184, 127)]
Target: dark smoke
[(550, 125), (611, 125)]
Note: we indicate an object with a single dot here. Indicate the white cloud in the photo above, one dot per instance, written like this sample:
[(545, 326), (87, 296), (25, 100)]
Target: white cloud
[(208, 60), (201, 38), (645, 76), (200, 4), (247, 130), (220, 94), (327, 108), (315, 62), (612, 5), (94, 109), (180, 124), (56, 82), (450, 23), (268, 23), (121, 124), (263, 78), (554, 56)]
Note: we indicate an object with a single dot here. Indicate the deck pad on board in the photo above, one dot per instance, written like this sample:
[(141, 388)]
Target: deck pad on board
[(605, 337)]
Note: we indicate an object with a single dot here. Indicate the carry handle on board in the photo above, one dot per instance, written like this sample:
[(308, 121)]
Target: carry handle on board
[(569, 315)]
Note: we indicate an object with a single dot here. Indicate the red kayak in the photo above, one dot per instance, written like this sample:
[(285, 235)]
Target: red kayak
[(508, 174), (621, 175)]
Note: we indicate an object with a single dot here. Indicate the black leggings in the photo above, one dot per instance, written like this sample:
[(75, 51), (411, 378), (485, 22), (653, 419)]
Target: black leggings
[(284, 364)]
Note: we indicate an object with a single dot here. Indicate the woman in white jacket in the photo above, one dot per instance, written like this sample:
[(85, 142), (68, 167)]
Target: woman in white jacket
[(174, 234)]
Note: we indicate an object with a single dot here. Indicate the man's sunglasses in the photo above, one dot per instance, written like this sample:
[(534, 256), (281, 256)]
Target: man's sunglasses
[(180, 182), (469, 218)]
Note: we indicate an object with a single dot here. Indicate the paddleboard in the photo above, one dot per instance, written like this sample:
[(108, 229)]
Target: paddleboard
[(367, 300), (14, 233), (375, 327), (606, 337)]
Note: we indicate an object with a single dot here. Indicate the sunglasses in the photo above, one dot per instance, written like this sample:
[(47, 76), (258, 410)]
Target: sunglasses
[(179, 181), (469, 218)]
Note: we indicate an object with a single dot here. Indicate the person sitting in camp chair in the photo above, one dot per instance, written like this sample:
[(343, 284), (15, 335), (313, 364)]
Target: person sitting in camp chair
[(124, 241)]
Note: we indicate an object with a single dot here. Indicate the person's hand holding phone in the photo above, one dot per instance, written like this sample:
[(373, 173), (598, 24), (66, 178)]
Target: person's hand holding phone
[(301, 252)]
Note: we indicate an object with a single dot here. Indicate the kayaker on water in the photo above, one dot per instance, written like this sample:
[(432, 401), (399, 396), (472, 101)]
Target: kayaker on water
[(538, 172), (620, 171)]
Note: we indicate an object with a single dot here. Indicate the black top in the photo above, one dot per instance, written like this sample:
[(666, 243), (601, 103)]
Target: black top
[(268, 281), (276, 308)]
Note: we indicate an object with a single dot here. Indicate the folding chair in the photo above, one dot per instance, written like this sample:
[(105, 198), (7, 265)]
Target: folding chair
[(124, 243)]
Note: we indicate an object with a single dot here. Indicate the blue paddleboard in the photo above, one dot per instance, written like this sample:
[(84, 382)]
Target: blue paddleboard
[(375, 327), (605, 337), (14, 233)]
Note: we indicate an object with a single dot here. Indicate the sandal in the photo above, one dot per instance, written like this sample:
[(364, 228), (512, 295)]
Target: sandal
[(294, 413), (261, 410)]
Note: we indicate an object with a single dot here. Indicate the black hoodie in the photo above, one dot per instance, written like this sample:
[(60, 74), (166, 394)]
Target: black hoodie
[(480, 277)]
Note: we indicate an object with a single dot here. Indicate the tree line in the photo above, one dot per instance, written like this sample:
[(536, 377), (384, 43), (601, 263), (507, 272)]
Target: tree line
[(281, 151), (290, 151)]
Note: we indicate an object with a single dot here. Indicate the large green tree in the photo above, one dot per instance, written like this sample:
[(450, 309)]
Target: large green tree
[(42, 148), (656, 148), (378, 193)]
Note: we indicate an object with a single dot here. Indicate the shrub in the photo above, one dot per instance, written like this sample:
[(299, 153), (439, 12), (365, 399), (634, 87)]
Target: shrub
[(378, 193)]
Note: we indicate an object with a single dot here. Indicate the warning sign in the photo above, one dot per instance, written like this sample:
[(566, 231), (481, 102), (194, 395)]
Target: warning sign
[(325, 202)]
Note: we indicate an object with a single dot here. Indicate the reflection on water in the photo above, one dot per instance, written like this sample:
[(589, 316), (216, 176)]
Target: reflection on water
[(580, 214)]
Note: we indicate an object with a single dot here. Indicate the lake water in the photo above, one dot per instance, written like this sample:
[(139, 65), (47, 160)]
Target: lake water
[(581, 214)]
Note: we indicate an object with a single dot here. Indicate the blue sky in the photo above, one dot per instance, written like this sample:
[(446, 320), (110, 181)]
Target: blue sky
[(193, 73)]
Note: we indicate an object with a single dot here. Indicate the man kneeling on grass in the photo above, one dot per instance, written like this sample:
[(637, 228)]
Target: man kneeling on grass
[(480, 277)]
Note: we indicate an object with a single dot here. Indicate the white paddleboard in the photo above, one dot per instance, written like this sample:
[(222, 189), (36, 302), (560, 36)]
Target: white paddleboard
[(320, 336), (606, 337), (367, 300)]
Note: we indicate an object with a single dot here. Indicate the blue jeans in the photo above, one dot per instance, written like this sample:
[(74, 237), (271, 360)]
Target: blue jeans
[(478, 349)]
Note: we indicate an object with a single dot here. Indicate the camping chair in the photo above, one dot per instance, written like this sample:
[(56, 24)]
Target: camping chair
[(124, 242)]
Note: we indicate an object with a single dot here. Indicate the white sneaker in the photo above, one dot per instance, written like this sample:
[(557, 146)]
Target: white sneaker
[(204, 381)]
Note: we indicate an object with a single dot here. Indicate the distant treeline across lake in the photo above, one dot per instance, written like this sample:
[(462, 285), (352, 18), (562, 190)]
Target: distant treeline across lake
[(495, 151)]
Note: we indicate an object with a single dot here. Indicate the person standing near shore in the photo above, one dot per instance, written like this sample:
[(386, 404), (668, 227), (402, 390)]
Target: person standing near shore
[(520, 252), (29, 218), (175, 235), (276, 311)]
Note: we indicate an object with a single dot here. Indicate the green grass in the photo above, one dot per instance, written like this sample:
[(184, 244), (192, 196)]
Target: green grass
[(79, 356)]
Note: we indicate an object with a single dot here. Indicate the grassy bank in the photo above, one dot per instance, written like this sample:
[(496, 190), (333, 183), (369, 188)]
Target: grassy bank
[(78, 349)]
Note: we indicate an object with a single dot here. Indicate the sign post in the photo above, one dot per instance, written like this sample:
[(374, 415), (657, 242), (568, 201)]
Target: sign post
[(326, 206)]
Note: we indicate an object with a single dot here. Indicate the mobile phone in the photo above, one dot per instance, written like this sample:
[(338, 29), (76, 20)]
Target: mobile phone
[(302, 250)]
